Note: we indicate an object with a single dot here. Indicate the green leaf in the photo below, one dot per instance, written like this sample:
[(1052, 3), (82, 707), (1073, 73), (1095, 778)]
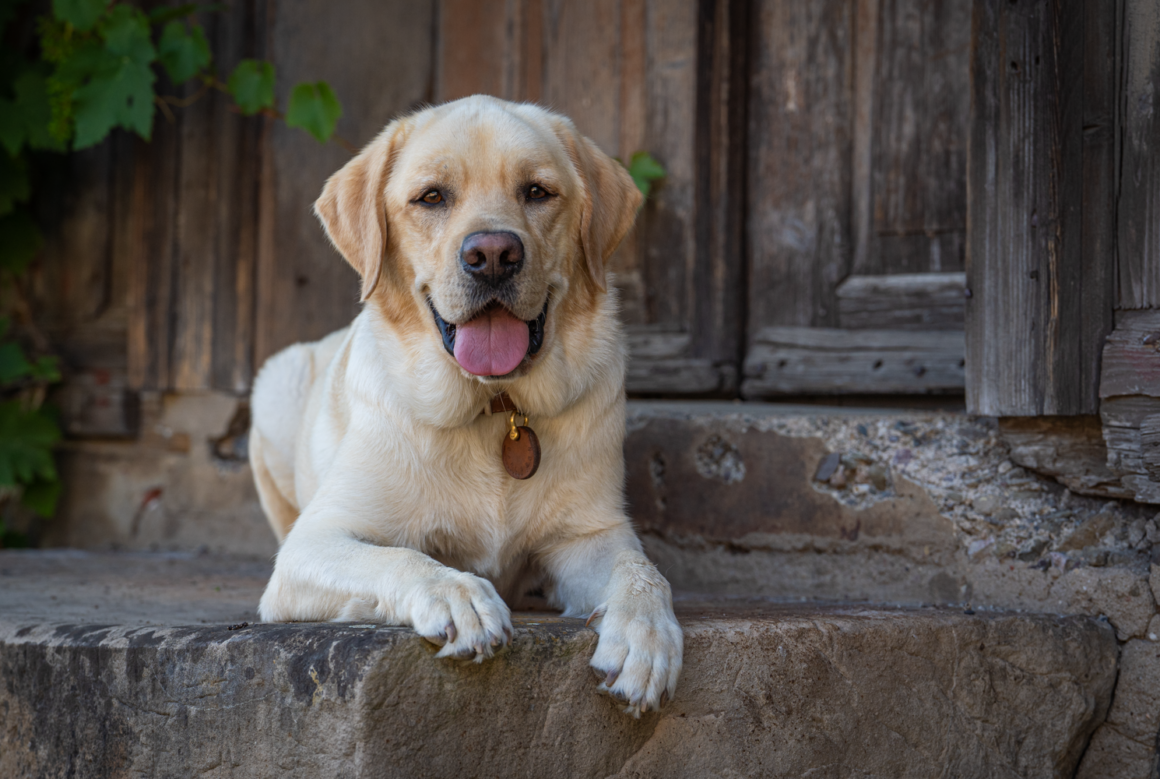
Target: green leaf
[(644, 170), (20, 240), (164, 15), (315, 109), (13, 364), (252, 85), (46, 369), (126, 34), (13, 182), (182, 53), (81, 14), (119, 88), (25, 120), (26, 441), (42, 496), (120, 93)]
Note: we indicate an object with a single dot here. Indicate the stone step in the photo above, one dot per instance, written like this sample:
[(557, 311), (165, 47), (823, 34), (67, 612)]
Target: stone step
[(143, 665)]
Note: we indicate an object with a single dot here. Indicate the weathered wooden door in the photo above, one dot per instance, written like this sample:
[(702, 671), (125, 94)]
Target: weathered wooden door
[(1065, 261), (661, 76), (856, 215)]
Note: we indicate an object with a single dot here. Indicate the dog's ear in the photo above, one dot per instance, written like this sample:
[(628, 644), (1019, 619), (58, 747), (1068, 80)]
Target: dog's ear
[(352, 207), (610, 199)]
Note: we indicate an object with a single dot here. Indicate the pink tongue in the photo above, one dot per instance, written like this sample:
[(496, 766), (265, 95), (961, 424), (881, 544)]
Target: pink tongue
[(492, 344)]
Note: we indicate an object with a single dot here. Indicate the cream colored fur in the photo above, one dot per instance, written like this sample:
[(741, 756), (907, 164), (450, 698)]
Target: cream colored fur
[(377, 462)]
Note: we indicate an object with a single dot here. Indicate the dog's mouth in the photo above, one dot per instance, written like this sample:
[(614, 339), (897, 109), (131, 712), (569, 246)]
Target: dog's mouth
[(493, 342)]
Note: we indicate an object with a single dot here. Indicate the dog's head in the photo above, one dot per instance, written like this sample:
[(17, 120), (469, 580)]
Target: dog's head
[(473, 222)]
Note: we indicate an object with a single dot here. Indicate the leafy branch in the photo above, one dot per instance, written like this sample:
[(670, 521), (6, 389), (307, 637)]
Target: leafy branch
[(644, 170), (91, 67)]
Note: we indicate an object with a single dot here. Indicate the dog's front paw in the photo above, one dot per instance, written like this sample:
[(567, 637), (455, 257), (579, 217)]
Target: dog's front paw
[(461, 612), (641, 645)]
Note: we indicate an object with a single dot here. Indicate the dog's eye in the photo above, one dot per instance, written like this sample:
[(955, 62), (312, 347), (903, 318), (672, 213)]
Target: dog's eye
[(432, 196), (536, 192)]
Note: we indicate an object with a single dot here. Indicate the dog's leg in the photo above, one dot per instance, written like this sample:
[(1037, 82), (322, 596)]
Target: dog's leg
[(325, 573), (280, 512), (606, 576)]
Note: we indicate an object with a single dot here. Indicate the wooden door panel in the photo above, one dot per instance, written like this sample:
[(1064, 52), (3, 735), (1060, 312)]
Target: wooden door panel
[(377, 56), (857, 204)]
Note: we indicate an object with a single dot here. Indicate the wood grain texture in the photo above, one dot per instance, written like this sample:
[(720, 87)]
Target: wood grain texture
[(919, 139), (190, 226), (304, 288), (1139, 203), (77, 286), (1069, 449), (1130, 410), (824, 361), (150, 238), (1130, 424), (1131, 363), (1039, 304), (800, 112), (903, 301)]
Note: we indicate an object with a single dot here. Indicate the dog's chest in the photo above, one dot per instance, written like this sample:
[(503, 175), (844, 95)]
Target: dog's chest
[(453, 499)]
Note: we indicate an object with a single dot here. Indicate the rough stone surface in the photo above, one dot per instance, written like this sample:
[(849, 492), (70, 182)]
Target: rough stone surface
[(1124, 747), (137, 688), (170, 490), (922, 485)]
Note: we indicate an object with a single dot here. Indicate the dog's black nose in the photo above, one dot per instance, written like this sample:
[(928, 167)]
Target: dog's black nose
[(494, 256)]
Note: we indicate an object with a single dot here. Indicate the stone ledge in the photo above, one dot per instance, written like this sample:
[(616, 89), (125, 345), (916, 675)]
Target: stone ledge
[(137, 688)]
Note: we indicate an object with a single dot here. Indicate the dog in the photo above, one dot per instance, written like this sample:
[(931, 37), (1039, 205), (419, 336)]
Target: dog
[(480, 229)]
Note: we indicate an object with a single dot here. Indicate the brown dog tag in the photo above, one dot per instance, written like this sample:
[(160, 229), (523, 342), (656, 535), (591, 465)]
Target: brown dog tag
[(521, 453)]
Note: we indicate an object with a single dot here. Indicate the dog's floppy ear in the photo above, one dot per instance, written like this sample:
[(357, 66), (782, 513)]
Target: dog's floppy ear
[(353, 211), (610, 198)]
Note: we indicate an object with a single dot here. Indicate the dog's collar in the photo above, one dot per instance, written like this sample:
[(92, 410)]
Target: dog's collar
[(501, 403)]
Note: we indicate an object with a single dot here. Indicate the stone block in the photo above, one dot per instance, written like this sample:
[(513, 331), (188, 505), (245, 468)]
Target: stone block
[(138, 687)]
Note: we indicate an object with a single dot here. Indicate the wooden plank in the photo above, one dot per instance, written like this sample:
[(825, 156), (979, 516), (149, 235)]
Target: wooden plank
[(76, 289), (652, 343), (1130, 433), (823, 361), (195, 258), (191, 296), (1098, 219), (798, 209), (717, 289), (304, 289), (475, 48), (1139, 201), (867, 13), (1069, 449), (70, 282), (914, 301), (1150, 446), (920, 109), (683, 376), (1131, 364), (150, 238), (238, 34), (1032, 326), (1130, 410)]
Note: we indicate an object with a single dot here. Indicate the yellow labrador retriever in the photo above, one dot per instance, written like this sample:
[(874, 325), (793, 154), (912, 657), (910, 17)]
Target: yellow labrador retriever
[(480, 229)]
